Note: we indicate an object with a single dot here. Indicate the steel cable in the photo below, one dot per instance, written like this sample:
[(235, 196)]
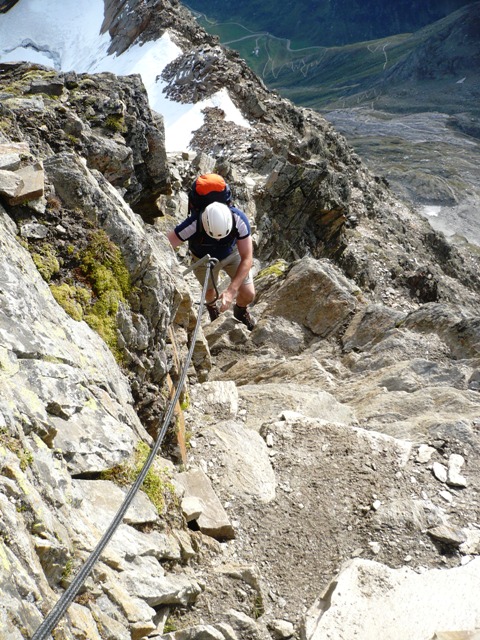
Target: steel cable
[(69, 594)]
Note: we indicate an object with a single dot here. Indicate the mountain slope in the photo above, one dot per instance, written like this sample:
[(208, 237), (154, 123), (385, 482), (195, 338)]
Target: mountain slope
[(344, 425), (326, 23), (438, 72), (362, 72), (409, 104), (304, 434)]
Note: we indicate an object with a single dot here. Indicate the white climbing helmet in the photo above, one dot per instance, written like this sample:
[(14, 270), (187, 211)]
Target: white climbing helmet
[(217, 220)]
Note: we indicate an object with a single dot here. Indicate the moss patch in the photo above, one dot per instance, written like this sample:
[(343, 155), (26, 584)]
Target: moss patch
[(46, 262), (157, 484), (116, 123), (75, 300), (276, 269), (20, 86), (99, 284), (102, 265)]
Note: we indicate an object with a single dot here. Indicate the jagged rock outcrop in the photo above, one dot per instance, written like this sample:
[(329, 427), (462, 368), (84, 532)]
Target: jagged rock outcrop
[(107, 121), (344, 426), (310, 192), (131, 21)]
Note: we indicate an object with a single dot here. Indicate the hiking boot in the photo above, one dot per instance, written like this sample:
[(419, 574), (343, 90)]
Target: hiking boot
[(243, 315), (213, 311)]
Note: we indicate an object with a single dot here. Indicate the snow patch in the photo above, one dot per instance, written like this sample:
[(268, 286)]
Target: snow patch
[(431, 211), (69, 29)]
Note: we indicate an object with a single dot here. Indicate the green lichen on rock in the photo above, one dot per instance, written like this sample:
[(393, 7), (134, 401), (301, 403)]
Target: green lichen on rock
[(106, 327), (38, 74), (276, 269), (24, 456), (20, 86), (103, 266), (6, 124), (185, 401)]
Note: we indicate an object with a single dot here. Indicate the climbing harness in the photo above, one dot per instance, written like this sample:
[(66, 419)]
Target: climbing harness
[(69, 594)]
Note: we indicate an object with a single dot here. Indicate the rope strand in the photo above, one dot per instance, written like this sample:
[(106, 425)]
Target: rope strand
[(69, 594)]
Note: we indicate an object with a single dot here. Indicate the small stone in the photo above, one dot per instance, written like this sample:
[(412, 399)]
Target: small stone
[(455, 463), (269, 440), (281, 629), (31, 187), (375, 547), (446, 495), (192, 508), (448, 535), (472, 542), (10, 183), (424, 453), (34, 230), (440, 472), (9, 161), (376, 505)]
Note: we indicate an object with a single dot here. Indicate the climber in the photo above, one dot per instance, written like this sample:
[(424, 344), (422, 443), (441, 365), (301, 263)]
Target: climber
[(214, 226)]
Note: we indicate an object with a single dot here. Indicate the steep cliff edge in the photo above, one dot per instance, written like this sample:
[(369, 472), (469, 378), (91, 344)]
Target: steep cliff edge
[(345, 426)]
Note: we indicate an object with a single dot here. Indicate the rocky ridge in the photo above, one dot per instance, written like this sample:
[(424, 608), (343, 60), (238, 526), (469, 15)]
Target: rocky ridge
[(407, 104), (332, 452)]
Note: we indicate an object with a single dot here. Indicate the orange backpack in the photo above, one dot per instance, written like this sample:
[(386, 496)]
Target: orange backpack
[(208, 188)]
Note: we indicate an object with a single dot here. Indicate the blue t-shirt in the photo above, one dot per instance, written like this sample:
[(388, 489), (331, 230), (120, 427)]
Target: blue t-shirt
[(200, 243)]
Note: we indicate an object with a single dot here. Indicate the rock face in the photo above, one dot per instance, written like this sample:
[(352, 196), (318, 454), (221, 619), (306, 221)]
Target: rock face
[(377, 598), (105, 119), (332, 461)]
